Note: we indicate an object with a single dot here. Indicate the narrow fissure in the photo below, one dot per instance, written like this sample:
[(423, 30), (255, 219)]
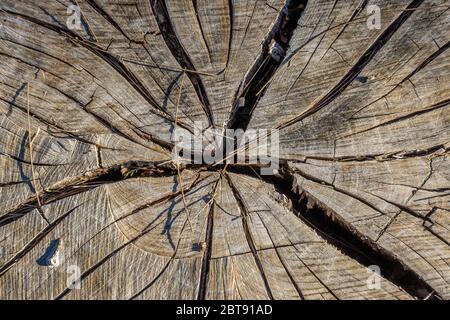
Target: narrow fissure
[(89, 181), (248, 235), (328, 225), (349, 241), (363, 61), (173, 43), (273, 52), (204, 273)]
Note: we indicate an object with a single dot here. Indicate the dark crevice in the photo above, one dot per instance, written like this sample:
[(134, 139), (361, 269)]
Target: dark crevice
[(363, 61), (173, 43), (437, 150), (325, 222), (206, 260), (89, 181), (343, 236), (350, 241), (273, 52)]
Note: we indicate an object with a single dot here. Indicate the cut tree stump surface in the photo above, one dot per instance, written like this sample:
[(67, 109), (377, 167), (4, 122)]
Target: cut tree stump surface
[(87, 119)]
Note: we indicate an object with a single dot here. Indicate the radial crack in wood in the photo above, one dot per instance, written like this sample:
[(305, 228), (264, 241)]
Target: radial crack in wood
[(91, 95)]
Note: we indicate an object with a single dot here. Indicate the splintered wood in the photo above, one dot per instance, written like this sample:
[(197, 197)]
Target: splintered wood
[(94, 206)]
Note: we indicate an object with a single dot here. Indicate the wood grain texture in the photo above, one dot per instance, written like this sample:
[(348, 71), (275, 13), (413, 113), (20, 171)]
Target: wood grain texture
[(88, 186)]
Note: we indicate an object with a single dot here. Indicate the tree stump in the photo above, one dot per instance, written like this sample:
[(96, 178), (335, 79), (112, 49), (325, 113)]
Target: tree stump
[(93, 205)]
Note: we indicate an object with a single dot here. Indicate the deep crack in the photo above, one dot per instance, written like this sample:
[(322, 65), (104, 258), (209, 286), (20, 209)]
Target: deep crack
[(273, 52)]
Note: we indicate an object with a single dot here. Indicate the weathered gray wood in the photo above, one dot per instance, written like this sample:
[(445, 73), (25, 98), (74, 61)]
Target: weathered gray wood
[(86, 133), (393, 210), (375, 152)]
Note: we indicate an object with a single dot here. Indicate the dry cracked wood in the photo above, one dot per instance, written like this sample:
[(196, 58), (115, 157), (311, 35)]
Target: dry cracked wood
[(87, 119)]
